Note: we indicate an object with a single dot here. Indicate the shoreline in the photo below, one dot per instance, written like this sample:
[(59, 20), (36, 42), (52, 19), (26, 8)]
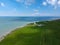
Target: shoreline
[(8, 32), (4, 35)]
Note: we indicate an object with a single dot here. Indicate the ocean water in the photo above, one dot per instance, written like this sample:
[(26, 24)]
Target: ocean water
[(7, 24)]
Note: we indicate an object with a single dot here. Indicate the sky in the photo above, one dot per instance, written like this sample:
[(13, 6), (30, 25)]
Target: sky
[(29, 7)]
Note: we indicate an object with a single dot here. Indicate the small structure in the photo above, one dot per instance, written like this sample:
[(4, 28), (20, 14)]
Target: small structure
[(1, 38), (38, 24), (34, 23)]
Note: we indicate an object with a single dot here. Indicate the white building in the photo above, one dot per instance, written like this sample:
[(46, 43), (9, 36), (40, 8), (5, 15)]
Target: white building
[(38, 24)]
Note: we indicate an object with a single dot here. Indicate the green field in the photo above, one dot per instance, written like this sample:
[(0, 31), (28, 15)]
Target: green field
[(32, 34)]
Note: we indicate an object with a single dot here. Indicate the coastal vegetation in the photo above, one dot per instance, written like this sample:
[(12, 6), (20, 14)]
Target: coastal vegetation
[(46, 34)]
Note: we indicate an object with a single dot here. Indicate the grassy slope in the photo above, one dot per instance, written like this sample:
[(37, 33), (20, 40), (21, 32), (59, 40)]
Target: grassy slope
[(49, 34)]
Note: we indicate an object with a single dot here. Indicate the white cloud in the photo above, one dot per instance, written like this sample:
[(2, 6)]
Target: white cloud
[(58, 3), (36, 14), (44, 14), (29, 2), (44, 3), (54, 3), (2, 4), (36, 10), (20, 1), (26, 2)]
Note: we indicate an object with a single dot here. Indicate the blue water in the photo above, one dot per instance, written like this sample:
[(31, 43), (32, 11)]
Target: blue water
[(7, 24)]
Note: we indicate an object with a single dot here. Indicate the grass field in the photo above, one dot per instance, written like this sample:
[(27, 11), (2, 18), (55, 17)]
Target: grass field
[(31, 34)]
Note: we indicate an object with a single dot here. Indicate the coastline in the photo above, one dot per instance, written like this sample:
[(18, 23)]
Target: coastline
[(8, 32), (4, 35)]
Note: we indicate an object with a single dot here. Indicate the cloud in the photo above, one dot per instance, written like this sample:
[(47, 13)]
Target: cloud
[(58, 3), (26, 2), (2, 4), (54, 3), (44, 3), (29, 2), (20, 1), (43, 14), (35, 10), (38, 13)]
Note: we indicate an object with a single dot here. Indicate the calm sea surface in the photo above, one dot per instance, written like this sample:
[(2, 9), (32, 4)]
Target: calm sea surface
[(7, 24)]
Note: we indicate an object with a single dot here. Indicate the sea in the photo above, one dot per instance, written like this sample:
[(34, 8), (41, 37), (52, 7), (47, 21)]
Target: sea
[(9, 23)]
